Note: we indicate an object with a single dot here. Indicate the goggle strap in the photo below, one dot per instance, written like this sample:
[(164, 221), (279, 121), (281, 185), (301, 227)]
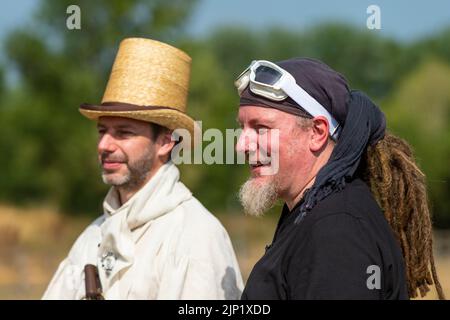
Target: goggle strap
[(311, 105)]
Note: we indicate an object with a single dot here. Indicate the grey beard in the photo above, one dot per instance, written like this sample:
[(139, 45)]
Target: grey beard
[(258, 198)]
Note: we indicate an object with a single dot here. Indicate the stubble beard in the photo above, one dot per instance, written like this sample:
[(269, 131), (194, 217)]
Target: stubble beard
[(135, 175)]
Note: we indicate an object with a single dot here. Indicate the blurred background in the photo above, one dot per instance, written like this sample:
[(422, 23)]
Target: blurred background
[(50, 186)]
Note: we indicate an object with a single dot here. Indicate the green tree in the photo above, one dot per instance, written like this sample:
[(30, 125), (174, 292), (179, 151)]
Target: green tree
[(437, 45), (419, 111), (2, 82)]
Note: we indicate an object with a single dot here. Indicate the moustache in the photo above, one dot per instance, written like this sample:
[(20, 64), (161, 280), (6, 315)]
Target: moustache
[(105, 157), (260, 157)]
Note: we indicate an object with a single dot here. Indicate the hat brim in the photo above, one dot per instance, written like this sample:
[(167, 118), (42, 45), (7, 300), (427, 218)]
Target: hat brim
[(164, 116)]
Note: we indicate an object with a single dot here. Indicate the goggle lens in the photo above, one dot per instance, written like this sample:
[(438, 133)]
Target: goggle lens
[(267, 75)]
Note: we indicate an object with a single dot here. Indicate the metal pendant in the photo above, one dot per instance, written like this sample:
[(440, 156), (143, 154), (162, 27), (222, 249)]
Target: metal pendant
[(108, 262)]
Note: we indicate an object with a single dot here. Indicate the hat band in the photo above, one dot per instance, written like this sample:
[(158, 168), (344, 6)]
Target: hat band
[(122, 106)]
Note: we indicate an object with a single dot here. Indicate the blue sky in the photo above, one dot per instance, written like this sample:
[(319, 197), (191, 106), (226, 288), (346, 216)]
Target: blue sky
[(400, 19)]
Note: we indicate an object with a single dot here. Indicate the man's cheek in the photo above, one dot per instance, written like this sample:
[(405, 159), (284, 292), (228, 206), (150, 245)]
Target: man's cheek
[(272, 153)]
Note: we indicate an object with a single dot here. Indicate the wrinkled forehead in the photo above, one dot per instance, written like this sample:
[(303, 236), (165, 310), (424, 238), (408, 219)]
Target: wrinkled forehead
[(253, 114)]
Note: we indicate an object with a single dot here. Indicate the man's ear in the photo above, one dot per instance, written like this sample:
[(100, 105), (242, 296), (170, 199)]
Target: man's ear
[(165, 144), (319, 134)]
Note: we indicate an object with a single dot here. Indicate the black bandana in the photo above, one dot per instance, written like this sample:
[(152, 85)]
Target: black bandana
[(324, 84)]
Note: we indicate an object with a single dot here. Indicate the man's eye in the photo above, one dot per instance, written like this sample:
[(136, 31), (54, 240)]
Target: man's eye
[(125, 133), (101, 132), (262, 130)]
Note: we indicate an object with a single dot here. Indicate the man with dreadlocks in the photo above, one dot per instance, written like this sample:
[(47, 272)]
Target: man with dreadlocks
[(355, 223)]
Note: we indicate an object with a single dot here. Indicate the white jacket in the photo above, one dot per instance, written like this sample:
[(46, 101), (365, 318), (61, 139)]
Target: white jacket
[(162, 244)]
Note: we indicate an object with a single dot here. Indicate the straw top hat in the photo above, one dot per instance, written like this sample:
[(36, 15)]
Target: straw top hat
[(149, 81)]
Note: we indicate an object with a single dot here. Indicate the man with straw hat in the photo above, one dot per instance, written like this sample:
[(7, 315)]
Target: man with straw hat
[(154, 240)]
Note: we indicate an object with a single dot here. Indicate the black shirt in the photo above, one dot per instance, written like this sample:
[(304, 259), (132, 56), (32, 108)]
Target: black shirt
[(333, 253)]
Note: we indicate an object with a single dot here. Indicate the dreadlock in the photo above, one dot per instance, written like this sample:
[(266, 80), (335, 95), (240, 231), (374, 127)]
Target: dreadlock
[(399, 187)]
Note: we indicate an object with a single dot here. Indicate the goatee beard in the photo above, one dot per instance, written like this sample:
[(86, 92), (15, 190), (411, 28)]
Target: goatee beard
[(256, 197)]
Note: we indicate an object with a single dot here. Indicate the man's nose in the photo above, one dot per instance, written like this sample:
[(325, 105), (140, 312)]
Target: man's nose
[(246, 142), (106, 143)]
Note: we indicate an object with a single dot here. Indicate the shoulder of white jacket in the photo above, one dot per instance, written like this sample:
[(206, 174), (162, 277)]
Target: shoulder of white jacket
[(90, 234), (94, 226), (197, 222)]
